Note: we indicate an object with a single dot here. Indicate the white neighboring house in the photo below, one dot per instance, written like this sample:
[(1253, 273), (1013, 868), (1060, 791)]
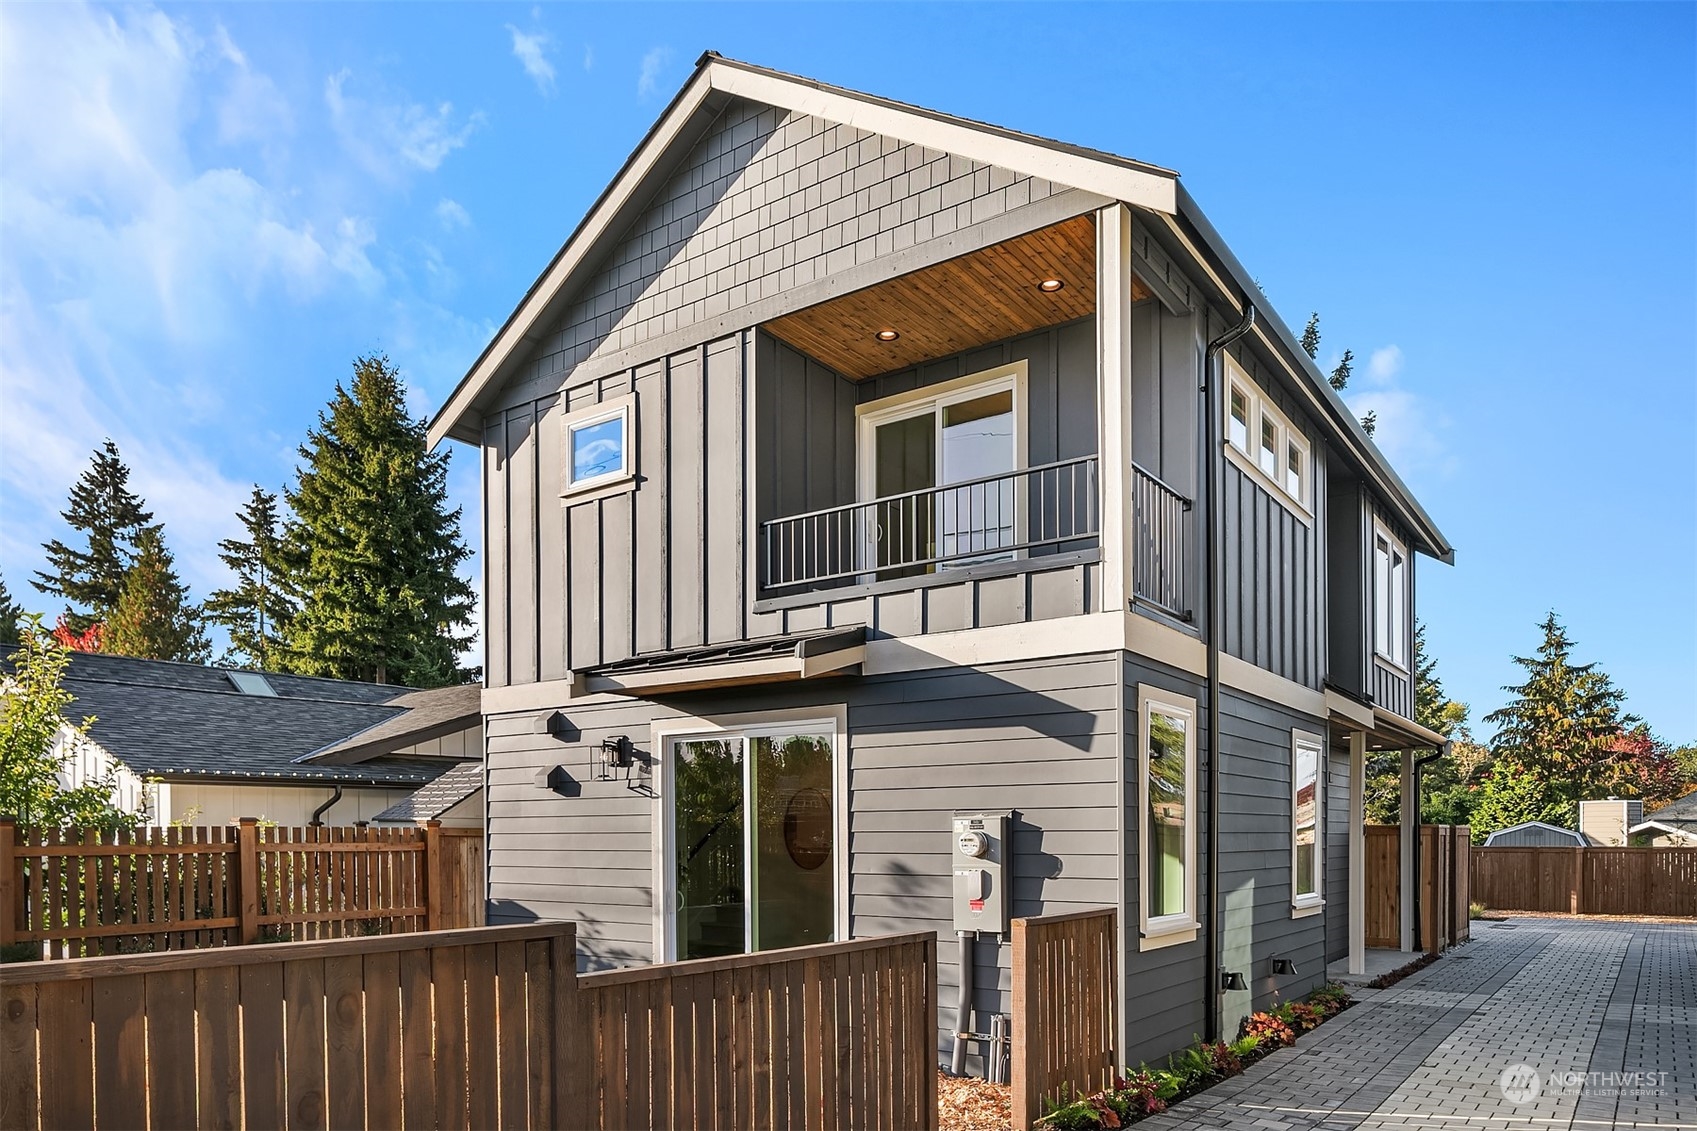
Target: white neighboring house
[(204, 746), (1673, 825)]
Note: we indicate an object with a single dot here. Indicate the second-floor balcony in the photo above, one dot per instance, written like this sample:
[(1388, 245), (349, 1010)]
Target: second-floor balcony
[(1020, 515)]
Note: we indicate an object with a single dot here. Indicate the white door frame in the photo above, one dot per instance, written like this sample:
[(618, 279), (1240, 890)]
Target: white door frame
[(665, 734)]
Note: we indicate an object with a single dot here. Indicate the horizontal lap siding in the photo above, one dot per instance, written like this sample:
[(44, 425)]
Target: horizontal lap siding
[(1164, 987), (1337, 853), (1255, 856), (1038, 738)]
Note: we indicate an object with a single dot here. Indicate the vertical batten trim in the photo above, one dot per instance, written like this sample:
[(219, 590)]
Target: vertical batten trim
[(537, 510), (701, 488), (666, 502)]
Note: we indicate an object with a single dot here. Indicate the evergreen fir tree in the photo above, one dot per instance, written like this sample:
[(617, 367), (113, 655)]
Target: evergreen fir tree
[(1370, 422), (1561, 727), (11, 618), (1311, 335), (256, 611), (1345, 369), (372, 548), (154, 618), (111, 517)]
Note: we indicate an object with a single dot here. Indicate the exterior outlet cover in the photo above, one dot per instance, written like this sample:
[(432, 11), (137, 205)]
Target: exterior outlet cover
[(980, 851)]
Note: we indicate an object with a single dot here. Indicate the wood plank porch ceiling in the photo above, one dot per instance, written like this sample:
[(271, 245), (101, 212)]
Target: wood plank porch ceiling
[(956, 305)]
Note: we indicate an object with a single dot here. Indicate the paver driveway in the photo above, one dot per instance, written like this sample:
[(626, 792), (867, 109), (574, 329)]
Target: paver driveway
[(1579, 1003)]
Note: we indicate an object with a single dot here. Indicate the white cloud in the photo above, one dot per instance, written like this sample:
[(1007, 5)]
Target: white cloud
[(588, 58), (451, 214), (393, 138), (1384, 364), (1410, 428), (531, 50), (648, 76), (252, 108)]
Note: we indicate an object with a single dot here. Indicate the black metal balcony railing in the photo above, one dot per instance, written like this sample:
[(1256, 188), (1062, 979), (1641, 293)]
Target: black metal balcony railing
[(1160, 544), (994, 518)]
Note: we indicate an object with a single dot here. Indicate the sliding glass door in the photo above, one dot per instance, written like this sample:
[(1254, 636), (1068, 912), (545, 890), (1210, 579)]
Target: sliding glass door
[(753, 838)]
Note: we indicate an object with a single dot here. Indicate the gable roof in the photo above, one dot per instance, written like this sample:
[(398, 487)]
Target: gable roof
[(1568, 834), (717, 80), (188, 722), (438, 797), (423, 715), (1682, 811)]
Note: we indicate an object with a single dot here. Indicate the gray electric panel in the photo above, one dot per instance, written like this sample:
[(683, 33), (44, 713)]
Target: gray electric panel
[(980, 850)]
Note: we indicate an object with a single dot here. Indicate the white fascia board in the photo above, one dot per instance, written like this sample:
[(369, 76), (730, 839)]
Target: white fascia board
[(1150, 190)]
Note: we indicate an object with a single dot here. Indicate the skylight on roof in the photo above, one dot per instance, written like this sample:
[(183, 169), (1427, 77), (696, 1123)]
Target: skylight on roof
[(252, 683)]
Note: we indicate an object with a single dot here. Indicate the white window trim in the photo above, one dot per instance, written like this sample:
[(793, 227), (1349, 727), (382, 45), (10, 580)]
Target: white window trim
[(1260, 407), (1311, 904), (869, 416), (1397, 626), (831, 718), (1166, 930), (624, 477)]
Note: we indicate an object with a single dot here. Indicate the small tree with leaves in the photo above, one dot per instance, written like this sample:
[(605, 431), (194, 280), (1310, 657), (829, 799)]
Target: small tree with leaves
[(255, 611), (34, 735), (373, 551), (110, 517), (1561, 727), (154, 618)]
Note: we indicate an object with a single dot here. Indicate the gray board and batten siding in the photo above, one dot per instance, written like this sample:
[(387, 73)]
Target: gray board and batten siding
[(1355, 665), (1041, 738)]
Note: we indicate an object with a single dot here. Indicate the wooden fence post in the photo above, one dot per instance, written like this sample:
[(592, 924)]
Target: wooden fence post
[(1027, 1029), (9, 888), (433, 894), (1576, 901), (247, 879)]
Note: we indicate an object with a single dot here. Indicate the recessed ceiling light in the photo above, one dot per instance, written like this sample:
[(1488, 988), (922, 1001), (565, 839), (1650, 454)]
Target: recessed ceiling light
[(1050, 286), (886, 335)]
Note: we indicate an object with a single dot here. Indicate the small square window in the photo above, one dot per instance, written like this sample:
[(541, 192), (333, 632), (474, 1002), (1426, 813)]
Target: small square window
[(598, 443)]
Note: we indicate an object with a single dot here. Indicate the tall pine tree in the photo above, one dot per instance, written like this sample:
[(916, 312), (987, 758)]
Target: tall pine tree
[(256, 610), (1341, 374), (372, 548), (1560, 729), (111, 518), (154, 618), (11, 618)]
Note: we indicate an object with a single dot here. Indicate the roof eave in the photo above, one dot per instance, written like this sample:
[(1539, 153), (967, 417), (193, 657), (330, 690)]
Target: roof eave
[(1350, 435)]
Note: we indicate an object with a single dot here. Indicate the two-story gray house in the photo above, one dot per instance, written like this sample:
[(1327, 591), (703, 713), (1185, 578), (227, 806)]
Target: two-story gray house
[(854, 466)]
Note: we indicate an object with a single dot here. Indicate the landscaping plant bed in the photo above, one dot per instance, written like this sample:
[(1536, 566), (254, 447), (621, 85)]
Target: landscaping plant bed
[(1148, 1091), (966, 1103)]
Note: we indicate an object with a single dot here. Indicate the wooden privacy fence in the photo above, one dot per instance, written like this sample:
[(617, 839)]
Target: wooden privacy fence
[(84, 892), (1065, 989), (484, 1027), (1445, 886), (1587, 881), (834, 1036)]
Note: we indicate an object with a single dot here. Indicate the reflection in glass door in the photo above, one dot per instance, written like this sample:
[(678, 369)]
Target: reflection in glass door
[(754, 841)]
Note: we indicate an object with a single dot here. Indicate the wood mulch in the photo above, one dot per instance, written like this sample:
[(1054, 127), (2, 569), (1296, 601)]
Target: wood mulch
[(1493, 914), (968, 1104)]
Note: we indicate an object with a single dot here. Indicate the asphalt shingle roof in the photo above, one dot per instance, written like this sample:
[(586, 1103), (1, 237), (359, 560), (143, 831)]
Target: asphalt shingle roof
[(185, 721), (439, 796), (424, 715)]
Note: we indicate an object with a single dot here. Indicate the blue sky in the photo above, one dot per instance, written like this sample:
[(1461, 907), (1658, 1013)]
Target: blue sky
[(206, 211)]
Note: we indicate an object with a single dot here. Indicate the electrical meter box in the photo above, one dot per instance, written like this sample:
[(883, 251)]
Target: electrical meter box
[(980, 865)]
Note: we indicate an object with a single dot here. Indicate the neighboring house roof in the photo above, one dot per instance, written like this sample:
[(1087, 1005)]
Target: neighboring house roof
[(1680, 830), (717, 80), (425, 715), (439, 796), (1556, 830), (1681, 812), (189, 722)]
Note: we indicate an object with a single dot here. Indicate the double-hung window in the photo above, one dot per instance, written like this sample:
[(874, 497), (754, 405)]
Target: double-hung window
[(1306, 851), (1264, 442), (1390, 597), (1167, 850)]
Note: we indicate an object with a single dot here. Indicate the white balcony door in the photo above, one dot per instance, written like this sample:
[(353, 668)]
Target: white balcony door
[(923, 455)]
